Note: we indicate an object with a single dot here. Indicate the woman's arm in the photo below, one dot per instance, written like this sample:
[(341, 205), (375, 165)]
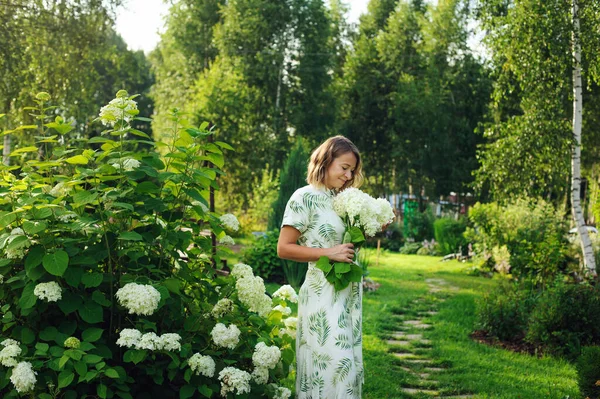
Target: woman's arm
[(287, 248)]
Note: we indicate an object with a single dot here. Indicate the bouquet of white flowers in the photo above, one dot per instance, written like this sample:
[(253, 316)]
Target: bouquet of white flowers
[(363, 216)]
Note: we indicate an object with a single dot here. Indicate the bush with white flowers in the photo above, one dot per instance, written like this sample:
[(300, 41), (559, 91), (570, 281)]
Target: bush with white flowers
[(108, 287)]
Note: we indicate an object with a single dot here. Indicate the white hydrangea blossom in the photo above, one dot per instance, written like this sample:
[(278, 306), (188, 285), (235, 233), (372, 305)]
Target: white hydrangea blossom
[(149, 341), (129, 337), (291, 324), (23, 377), (204, 365), (141, 299), (266, 356), (72, 342), (66, 217), (282, 393), (363, 211), (222, 307), (286, 311), (227, 337), (242, 270), (251, 292), (226, 240), (60, 190), (19, 251), (233, 380), (8, 354), (170, 342), (50, 291), (117, 109), (260, 375), (230, 222), (287, 293), (127, 164)]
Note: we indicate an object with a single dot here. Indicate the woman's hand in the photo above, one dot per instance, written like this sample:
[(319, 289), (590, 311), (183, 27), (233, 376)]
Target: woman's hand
[(342, 253)]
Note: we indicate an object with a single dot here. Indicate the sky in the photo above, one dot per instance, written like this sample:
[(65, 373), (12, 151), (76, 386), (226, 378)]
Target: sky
[(139, 21)]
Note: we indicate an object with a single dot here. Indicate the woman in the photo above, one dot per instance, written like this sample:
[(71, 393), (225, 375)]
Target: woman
[(329, 337)]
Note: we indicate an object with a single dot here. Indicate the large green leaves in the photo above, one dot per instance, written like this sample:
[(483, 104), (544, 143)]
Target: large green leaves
[(56, 263)]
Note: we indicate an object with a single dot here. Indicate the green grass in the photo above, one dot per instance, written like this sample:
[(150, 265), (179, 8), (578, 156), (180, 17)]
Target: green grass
[(472, 368)]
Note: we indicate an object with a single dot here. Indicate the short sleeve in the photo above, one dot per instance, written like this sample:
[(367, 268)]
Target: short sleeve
[(296, 215)]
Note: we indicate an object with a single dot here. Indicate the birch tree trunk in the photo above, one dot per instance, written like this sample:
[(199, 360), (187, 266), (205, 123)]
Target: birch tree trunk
[(586, 244)]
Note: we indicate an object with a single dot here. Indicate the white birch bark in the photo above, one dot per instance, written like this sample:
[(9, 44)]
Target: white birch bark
[(586, 244)]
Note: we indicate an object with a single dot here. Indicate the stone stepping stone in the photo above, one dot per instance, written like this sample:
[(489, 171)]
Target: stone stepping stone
[(436, 281), (434, 369), (424, 362), (417, 324), (392, 342), (405, 355), (410, 337), (414, 391), (457, 397)]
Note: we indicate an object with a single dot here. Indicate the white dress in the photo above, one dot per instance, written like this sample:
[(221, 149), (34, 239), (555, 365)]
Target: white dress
[(329, 337)]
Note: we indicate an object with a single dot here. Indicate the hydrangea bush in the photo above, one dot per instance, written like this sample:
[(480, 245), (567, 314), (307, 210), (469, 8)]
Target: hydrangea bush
[(108, 287)]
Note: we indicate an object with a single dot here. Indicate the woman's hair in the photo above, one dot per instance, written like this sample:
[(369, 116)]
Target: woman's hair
[(323, 156)]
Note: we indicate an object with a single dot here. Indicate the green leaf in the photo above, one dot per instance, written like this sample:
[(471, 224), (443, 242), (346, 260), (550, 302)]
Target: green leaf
[(41, 348), (91, 280), (101, 391), (27, 336), (78, 160), (48, 333), (24, 150), (92, 334), (84, 197), (355, 274), (41, 213), (99, 139), (216, 159), (91, 312), (123, 205), (111, 373), (341, 267), (134, 356), (27, 299), (73, 276), (130, 236), (147, 187), (206, 391), (56, 263), (34, 227), (92, 359), (139, 133), (324, 264), (33, 262), (173, 285), (99, 298), (187, 391), (63, 360), (357, 235), (81, 368), (17, 242), (224, 145)]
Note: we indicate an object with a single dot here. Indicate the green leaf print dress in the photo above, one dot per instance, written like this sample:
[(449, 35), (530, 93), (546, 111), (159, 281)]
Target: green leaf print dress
[(329, 335)]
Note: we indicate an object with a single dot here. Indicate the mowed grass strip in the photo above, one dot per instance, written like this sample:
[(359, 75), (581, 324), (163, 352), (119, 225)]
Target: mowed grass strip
[(470, 367)]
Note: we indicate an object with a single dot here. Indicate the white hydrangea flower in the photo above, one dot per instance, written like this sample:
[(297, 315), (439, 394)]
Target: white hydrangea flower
[(287, 293), (51, 291), (170, 342), (204, 365), (363, 211), (230, 222), (291, 322), (226, 240), (233, 380), (282, 393), (129, 337), (242, 270), (149, 341), (260, 375), (117, 109), (19, 251), (66, 217), (60, 190), (227, 337), (284, 310), (266, 356), (222, 307), (128, 164), (8, 354), (251, 292), (23, 377), (141, 299)]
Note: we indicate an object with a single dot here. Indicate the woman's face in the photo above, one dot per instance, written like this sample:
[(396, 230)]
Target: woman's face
[(340, 171)]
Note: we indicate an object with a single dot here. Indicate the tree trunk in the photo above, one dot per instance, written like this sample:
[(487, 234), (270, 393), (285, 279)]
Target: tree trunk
[(586, 244)]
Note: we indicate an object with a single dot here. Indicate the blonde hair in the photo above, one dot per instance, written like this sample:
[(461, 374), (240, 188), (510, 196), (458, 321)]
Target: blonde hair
[(322, 157)]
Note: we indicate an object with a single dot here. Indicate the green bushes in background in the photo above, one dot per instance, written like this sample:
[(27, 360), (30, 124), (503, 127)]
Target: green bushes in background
[(449, 234)]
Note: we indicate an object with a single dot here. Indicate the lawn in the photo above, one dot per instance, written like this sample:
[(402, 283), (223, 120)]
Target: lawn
[(470, 368)]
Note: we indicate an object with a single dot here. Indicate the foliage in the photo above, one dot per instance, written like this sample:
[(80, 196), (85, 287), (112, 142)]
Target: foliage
[(92, 221), (419, 225), (504, 312), (391, 238), (532, 231), (449, 234), (429, 248), (588, 371), (264, 192), (565, 318), (293, 176), (262, 256), (410, 248)]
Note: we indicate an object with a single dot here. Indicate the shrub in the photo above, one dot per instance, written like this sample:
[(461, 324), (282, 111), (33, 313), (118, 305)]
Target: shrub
[(419, 225), (262, 256), (101, 245), (588, 371), (504, 312), (565, 318), (391, 238), (449, 234), (264, 192), (410, 248)]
